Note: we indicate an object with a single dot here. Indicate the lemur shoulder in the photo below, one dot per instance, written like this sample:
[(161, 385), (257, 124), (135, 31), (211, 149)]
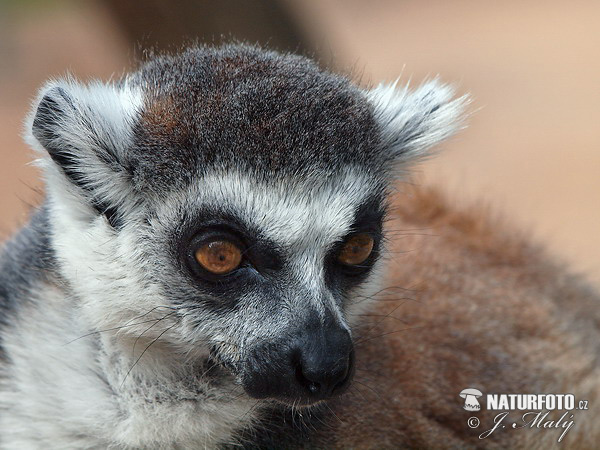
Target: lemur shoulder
[(221, 260)]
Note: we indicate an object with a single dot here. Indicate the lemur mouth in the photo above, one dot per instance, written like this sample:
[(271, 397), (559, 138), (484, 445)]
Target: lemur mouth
[(315, 398)]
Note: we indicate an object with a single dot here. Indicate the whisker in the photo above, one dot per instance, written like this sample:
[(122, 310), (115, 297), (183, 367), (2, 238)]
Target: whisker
[(145, 350), (384, 292), (148, 329), (370, 388), (385, 334), (354, 389), (249, 411), (332, 412), (405, 322), (110, 329), (381, 321), (153, 309)]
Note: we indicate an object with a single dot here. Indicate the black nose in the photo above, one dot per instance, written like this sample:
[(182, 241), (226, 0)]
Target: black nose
[(323, 364), (311, 363)]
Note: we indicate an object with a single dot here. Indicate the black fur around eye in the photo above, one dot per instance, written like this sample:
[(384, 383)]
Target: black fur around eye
[(221, 252), (214, 254), (351, 260)]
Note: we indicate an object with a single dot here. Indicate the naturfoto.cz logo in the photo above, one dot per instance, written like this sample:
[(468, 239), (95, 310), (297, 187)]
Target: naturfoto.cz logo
[(542, 411)]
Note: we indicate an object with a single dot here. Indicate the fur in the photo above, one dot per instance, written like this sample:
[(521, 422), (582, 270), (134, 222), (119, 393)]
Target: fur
[(112, 338)]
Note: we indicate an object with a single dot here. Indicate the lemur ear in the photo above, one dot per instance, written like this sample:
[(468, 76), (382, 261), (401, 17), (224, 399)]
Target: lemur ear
[(86, 130), (413, 121)]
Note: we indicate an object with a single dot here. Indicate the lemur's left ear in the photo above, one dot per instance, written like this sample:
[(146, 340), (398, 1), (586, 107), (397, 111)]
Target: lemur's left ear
[(413, 121), (86, 130)]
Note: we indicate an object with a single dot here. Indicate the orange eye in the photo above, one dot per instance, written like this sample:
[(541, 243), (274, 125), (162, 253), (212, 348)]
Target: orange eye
[(356, 250), (219, 257)]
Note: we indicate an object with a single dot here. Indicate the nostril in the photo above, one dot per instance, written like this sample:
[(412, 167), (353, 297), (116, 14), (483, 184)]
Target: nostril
[(313, 386)]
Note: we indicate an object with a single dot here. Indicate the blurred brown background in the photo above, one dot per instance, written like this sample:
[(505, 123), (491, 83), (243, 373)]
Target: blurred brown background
[(532, 150)]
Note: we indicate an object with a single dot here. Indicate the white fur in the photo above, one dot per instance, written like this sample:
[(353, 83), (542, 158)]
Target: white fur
[(70, 393), (96, 115), (411, 122)]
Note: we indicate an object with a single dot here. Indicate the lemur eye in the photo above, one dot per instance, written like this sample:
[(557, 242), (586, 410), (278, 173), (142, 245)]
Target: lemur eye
[(219, 257), (356, 250)]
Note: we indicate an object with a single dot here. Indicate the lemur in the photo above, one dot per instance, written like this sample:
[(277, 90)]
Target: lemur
[(223, 259)]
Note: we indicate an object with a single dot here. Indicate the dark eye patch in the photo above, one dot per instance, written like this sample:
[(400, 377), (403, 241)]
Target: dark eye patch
[(260, 256), (263, 261), (368, 220)]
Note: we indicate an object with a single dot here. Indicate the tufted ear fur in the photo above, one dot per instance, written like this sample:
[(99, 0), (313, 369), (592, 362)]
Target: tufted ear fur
[(86, 130), (413, 121)]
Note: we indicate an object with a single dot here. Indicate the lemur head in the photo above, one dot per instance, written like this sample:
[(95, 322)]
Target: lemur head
[(239, 191)]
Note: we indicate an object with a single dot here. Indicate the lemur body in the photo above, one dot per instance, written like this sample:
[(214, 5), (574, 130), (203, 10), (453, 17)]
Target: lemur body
[(207, 271)]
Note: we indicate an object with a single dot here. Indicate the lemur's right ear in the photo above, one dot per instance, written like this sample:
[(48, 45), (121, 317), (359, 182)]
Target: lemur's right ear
[(86, 130)]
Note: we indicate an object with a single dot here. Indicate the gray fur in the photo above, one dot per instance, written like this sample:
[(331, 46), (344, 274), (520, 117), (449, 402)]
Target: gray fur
[(111, 340), (26, 260)]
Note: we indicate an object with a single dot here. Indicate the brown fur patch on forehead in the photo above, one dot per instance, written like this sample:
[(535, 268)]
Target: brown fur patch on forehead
[(162, 116), (245, 108)]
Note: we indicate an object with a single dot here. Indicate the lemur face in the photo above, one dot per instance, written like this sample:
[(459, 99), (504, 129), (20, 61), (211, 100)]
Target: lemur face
[(240, 192), (265, 269)]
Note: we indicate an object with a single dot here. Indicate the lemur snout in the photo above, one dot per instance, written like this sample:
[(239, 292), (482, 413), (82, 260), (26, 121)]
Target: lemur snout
[(324, 367), (312, 366)]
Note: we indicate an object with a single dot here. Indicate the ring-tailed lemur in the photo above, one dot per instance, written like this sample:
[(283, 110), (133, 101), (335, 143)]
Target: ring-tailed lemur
[(198, 274)]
